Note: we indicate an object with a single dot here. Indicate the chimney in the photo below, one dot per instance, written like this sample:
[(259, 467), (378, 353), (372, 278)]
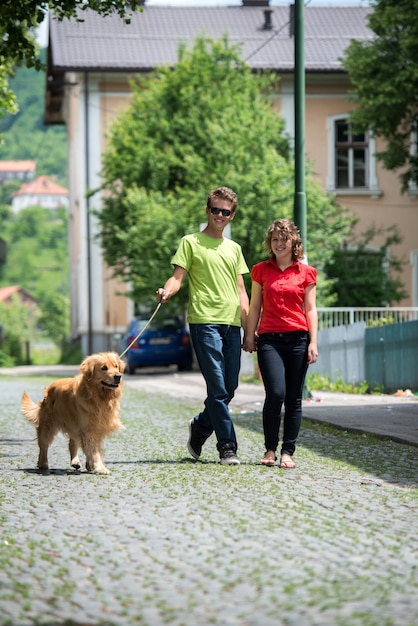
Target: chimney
[(255, 3), (267, 19), (292, 21)]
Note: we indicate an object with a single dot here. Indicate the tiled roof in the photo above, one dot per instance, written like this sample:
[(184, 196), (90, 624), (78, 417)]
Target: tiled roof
[(41, 186), (17, 166), (152, 38), (7, 292)]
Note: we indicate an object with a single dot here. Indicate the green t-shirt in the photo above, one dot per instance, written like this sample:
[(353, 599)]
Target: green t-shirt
[(213, 266)]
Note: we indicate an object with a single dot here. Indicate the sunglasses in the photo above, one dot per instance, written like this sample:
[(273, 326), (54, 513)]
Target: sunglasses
[(215, 211)]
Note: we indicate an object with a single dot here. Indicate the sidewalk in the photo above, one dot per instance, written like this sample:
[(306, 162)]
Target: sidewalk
[(385, 416)]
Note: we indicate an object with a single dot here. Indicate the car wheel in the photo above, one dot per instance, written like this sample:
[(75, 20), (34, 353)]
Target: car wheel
[(185, 367), (130, 369)]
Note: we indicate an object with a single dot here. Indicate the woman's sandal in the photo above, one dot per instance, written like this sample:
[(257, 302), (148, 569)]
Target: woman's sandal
[(286, 462), (269, 458)]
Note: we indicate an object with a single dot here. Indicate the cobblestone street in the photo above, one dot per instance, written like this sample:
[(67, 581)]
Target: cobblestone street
[(166, 540)]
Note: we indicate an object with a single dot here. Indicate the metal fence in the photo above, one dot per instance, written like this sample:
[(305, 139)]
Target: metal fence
[(341, 353), (372, 316), (384, 355)]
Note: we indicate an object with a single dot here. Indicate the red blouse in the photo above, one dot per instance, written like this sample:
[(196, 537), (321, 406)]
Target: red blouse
[(283, 293)]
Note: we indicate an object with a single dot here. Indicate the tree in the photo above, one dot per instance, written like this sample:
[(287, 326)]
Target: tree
[(206, 122), (367, 277), (384, 72), (54, 319), (20, 18), (37, 260), (48, 144), (17, 326)]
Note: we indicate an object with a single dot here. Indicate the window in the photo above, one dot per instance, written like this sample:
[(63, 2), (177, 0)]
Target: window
[(351, 160)]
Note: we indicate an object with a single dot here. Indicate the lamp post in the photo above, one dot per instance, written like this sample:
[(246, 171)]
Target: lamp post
[(299, 206)]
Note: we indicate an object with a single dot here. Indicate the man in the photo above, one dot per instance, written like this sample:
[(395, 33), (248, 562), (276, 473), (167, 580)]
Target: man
[(218, 307)]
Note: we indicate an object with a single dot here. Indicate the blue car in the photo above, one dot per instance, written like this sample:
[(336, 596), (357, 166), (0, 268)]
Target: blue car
[(165, 342)]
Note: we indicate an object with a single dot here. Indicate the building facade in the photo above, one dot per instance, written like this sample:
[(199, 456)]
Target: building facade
[(41, 192), (89, 69)]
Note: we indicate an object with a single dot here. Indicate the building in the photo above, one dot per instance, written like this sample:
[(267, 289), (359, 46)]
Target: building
[(20, 170), (41, 192), (89, 67), (8, 294)]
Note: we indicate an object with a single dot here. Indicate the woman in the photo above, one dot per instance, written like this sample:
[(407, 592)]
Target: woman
[(282, 326)]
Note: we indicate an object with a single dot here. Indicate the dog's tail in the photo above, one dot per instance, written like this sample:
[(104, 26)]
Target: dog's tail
[(30, 409)]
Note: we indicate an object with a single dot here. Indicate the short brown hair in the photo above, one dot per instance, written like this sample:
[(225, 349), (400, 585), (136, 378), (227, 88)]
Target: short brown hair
[(223, 193), (286, 230)]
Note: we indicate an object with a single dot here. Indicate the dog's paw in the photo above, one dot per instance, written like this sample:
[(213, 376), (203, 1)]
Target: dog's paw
[(97, 468), (101, 470)]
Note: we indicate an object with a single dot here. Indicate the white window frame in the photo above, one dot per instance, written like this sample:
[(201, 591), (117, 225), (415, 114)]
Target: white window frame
[(372, 189)]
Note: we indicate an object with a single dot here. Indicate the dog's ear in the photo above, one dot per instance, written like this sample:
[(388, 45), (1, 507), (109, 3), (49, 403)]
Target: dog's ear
[(121, 365), (87, 367)]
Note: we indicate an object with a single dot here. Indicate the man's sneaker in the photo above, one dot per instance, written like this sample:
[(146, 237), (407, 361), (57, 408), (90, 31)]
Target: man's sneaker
[(227, 454), (196, 440)]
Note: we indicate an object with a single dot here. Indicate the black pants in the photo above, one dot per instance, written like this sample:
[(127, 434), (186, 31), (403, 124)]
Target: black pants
[(283, 362)]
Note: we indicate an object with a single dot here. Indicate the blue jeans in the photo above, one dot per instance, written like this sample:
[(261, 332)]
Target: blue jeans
[(218, 353), (283, 362)]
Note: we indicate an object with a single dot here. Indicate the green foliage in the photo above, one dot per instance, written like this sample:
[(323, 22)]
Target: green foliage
[(71, 353), (37, 261), (54, 319), (37, 257), (18, 326), (7, 189), (381, 321), (18, 21), (5, 359), (206, 122), (364, 277), (48, 144), (318, 382), (384, 73)]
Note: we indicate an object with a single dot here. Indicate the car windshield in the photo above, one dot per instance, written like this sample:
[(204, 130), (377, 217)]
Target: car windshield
[(163, 323)]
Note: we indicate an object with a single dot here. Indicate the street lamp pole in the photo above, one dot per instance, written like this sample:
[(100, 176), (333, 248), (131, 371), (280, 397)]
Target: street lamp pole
[(299, 206)]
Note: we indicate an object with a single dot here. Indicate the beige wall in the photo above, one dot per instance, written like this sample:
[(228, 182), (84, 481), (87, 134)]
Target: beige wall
[(390, 208), (325, 97), (118, 309)]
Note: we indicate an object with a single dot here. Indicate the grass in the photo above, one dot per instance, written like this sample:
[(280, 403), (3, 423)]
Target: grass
[(319, 382)]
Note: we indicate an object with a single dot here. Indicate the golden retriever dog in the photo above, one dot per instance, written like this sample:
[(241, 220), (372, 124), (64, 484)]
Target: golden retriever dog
[(85, 408)]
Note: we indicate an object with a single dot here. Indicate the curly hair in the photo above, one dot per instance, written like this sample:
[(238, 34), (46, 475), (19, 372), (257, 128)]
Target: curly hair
[(285, 229), (223, 193)]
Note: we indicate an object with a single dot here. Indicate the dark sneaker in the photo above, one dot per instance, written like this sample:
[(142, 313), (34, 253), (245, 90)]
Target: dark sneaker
[(196, 440), (227, 454)]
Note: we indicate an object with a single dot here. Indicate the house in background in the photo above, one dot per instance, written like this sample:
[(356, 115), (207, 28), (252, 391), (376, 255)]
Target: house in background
[(21, 170), (90, 64), (41, 192), (7, 295)]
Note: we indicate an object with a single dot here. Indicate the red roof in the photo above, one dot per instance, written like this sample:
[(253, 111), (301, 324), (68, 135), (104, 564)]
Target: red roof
[(17, 166), (7, 292), (41, 186)]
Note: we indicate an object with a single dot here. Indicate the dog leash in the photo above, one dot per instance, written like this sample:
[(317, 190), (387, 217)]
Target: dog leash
[(142, 331)]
